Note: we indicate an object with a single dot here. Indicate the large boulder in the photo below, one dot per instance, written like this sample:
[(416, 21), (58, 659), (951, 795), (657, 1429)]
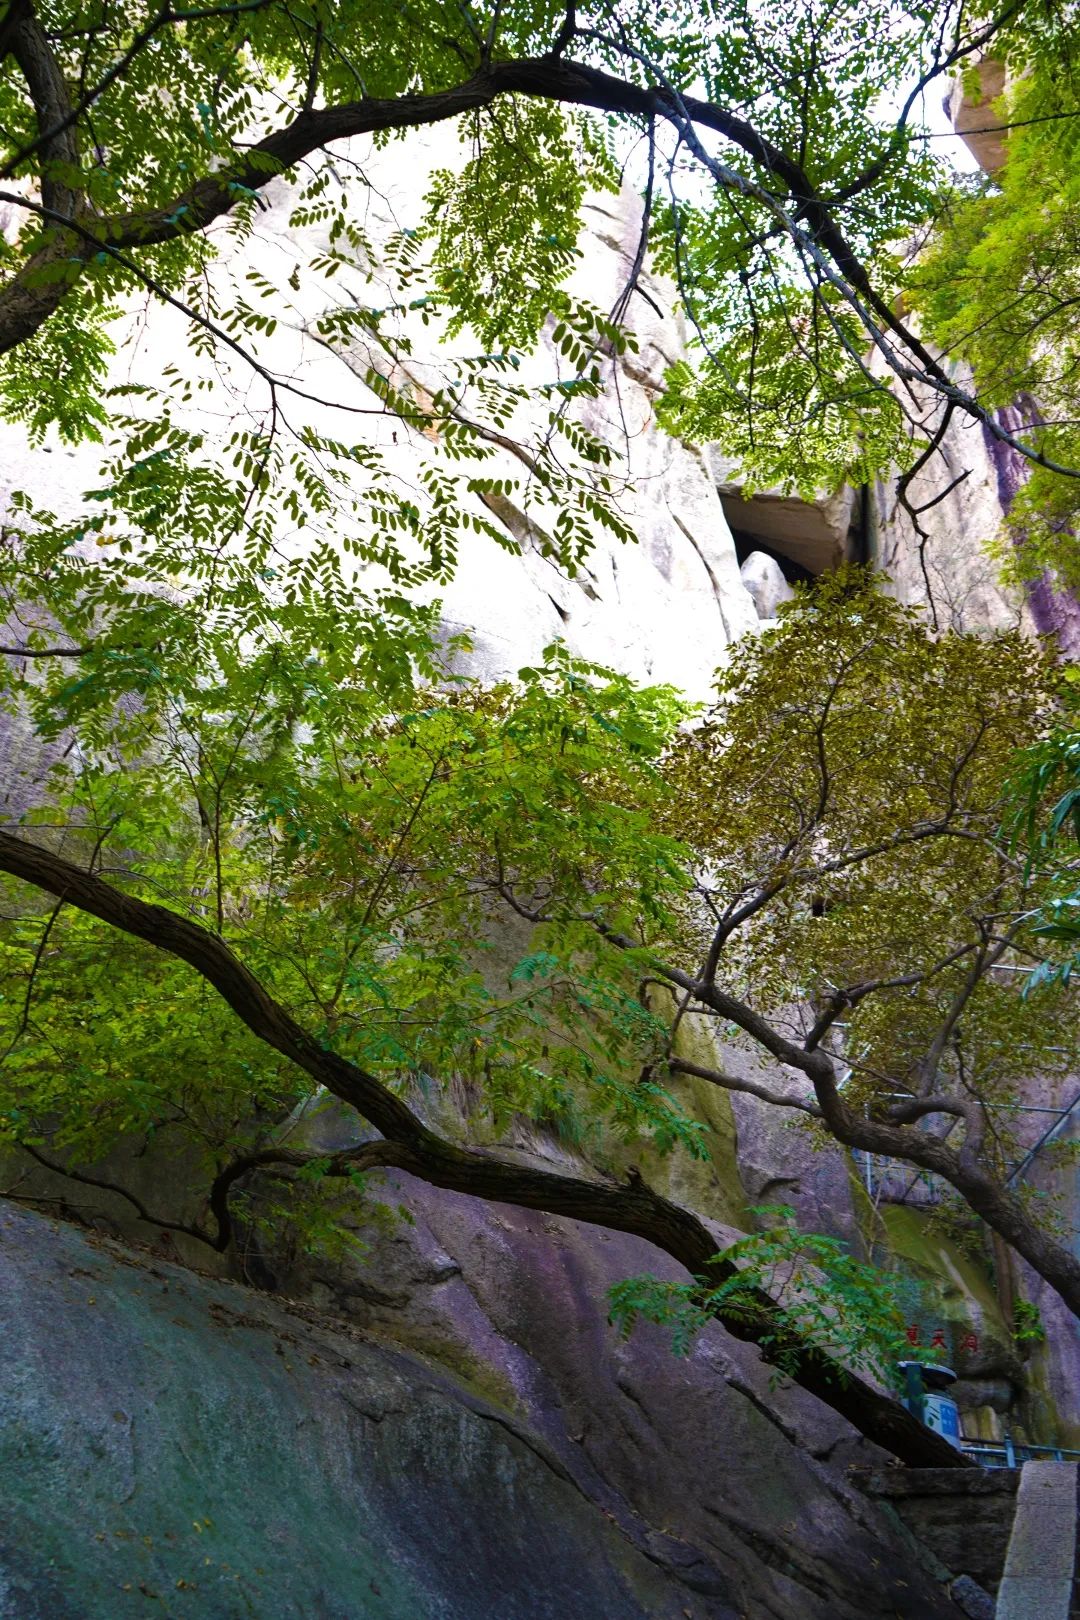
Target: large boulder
[(175, 1445), (764, 579)]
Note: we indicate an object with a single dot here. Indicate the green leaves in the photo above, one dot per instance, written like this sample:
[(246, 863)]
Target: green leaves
[(777, 213), (259, 724), (1029, 1330), (846, 798), (356, 841), (789, 399), (827, 1300), (56, 380), (997, 286), (1045, 825), (505, 226), (104, 1050), (479, 891)]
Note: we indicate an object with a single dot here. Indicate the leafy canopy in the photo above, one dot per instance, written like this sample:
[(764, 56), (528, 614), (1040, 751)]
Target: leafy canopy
[(487, 896), (996, 285), (781, 158), (224, 171), (257, 722)]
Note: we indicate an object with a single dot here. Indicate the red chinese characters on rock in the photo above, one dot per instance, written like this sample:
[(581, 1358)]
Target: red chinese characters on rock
[(969, 1343)]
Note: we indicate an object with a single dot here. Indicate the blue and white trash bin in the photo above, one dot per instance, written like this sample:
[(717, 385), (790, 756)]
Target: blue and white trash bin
[(925, 1398)]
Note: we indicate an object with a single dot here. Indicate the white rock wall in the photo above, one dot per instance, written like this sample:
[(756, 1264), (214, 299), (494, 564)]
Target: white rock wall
[(664, 609), (951, 571)]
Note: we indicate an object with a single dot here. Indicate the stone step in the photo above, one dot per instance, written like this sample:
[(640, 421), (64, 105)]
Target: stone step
[(1039, 1582)]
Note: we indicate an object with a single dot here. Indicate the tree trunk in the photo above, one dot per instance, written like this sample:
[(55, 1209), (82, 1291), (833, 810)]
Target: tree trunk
[(1002, 1211)]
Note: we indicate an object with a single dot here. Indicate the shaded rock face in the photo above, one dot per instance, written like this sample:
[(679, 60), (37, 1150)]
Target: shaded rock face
[(781, 1163), (180, 1446), (950, 571), (965, 1521), (751, 1477), (186, 1449), (1055, 612)]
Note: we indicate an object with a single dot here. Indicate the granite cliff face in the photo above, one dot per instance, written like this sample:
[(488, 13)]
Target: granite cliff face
[(178, 1446)]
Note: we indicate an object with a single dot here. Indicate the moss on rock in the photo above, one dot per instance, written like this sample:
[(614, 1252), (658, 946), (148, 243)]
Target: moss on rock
[(945, 1291)]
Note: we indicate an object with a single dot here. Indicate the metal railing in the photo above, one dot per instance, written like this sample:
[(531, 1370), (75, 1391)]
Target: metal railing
[(1044, 1140), (1010, 1454)]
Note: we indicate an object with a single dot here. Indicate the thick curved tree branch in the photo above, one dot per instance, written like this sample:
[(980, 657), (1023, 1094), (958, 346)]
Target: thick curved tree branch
[(412, 1147), (37, 290), (367, 1156), (52, 107)]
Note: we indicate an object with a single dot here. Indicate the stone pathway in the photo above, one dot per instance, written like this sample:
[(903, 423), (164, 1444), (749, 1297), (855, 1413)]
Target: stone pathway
[(1040, 1563)]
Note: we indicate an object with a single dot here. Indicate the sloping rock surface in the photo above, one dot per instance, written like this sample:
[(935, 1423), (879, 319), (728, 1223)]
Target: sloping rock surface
[(179, 1446)]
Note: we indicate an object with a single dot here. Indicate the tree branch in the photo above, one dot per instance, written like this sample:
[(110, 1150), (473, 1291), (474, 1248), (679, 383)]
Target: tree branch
[(987, 1196), (45, 652), (104, 1185), (52, 108), (412, 1147), (730, 1082), (36, 291)]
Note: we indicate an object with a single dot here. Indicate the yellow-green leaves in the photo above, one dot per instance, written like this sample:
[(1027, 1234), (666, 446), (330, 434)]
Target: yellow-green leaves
[(849, 788)]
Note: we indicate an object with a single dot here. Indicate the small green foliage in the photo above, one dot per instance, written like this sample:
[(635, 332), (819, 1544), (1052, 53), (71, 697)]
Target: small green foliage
[(996, 287), (827, 1300), (72, 352), (505, 225), (1029, 1330), (853, 774)]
